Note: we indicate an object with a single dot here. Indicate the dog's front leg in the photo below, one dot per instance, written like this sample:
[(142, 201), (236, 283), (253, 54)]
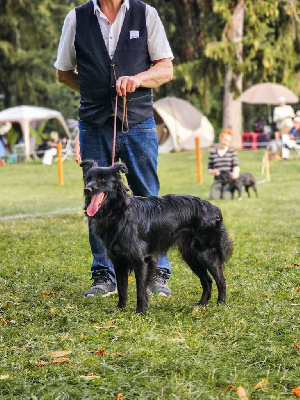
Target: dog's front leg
[(141, 288), (121, 272)]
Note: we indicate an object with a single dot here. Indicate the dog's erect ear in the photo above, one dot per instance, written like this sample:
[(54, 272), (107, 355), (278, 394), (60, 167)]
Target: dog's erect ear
[(88, 164), (120, 167)]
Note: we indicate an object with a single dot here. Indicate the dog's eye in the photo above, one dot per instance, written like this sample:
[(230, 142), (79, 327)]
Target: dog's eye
[(102, 180)]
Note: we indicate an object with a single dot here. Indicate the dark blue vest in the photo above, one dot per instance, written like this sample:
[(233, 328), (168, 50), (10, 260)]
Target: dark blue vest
[(95, 71)]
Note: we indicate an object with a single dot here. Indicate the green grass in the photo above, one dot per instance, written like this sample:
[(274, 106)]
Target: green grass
[(177, 351)]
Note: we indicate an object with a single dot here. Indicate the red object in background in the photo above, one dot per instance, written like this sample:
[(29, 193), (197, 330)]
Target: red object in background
[(249, 140)]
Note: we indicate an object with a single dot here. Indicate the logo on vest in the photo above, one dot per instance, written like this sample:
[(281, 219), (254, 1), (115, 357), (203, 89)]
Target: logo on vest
[(134, 34)]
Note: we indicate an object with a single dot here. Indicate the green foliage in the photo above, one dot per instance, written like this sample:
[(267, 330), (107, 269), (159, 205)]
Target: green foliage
[(39, 134), (270, 47), (177, 350), (29, 36), (198, 34)]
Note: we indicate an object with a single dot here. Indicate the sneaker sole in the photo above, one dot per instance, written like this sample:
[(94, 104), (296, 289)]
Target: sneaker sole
[(99, 294)]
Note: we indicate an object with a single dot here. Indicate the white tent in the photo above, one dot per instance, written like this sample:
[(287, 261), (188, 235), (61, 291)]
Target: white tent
[(24, 115), (179, 123)]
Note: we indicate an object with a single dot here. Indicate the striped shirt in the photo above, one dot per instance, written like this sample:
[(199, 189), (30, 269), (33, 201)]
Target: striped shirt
[(223, 163)]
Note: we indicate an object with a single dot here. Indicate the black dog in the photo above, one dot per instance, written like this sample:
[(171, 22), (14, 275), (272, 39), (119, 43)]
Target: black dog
[(135, 231), (245, 180)]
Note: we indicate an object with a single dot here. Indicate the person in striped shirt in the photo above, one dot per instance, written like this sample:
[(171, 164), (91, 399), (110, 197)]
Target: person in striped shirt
[(223, 158)]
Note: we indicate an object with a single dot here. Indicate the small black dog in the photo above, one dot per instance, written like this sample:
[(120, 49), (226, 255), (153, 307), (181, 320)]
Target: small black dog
[(135, 231), (245, 180)]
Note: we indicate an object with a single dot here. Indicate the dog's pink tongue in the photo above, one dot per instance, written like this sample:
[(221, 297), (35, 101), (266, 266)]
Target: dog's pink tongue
[(94, 205)]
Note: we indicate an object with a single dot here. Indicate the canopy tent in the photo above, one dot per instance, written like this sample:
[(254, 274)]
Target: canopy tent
[(179, 123), (24, 115), (267, 93)]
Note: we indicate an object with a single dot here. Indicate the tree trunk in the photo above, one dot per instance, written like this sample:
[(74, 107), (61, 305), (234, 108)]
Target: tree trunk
[(232, 108)]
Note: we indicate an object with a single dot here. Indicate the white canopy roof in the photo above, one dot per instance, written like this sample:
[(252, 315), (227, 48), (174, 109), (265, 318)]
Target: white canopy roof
[(179, 123), (24, 115)]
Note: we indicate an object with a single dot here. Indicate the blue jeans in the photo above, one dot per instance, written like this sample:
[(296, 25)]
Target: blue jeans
[(138, 149)]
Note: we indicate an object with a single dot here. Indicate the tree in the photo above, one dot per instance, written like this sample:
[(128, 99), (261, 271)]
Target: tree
[(30, 30), (264, 47)]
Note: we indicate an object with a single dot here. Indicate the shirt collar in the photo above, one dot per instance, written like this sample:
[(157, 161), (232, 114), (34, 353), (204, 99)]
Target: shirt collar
[(97, 8)]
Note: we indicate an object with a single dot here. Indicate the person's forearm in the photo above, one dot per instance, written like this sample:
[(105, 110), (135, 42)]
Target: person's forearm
[(235, 172), (160, 73), (68, 78)]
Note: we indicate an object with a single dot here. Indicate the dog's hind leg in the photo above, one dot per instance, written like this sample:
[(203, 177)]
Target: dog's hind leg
[(214, 266), (194, 259), (255, 189), (208, 260), (247, 190)]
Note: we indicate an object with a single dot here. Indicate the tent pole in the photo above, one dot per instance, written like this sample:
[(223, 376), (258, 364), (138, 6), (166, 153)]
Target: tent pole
[(26, 138), (198, 158)]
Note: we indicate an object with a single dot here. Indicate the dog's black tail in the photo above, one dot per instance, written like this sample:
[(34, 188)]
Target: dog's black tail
[(225, 244)]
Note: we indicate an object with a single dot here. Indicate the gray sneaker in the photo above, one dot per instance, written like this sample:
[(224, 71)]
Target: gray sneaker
[(159, 283), (102, 286)]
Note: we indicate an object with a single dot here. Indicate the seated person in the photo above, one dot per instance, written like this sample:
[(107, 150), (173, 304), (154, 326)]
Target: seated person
[(52, 151), (221, 159), (289, 141), (258, 125), (283, 116), (264, 138)]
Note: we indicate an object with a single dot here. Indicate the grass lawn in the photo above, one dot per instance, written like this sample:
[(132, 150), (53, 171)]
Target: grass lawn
[(177, 351)]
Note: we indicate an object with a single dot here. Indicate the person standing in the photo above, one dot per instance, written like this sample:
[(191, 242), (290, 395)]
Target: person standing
[(283, 116), (112, 48)]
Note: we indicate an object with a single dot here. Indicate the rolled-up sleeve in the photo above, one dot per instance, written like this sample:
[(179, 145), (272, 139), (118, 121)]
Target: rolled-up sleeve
[(158, 45), (66, 56)]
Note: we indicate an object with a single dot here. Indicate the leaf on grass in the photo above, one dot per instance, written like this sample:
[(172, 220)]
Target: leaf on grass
[(52, 310), (199, 288), (48, 294), (298, 288), (90, 376), (261, 384), (296, 392), (39, 256), (40, 363), (69, 306), (118, 355), (60, 353), (4, 377), (241, 393), (297, 345), (119, 396), (228, 388), (104, 327), (60, 360), (6, 322), (100, 352)]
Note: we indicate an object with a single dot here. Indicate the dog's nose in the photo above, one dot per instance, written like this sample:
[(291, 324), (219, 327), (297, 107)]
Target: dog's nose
[(87, 190)]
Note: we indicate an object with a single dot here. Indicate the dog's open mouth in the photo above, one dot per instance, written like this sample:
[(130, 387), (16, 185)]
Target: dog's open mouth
[(96, 201)]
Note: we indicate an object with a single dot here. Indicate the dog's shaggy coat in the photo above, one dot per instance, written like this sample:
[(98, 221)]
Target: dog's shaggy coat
[(135, 231)]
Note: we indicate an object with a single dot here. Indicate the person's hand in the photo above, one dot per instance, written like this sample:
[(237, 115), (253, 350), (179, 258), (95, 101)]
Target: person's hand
[(216, 172), (78, 158), (77, 149), (234, 175), (127, 84)]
